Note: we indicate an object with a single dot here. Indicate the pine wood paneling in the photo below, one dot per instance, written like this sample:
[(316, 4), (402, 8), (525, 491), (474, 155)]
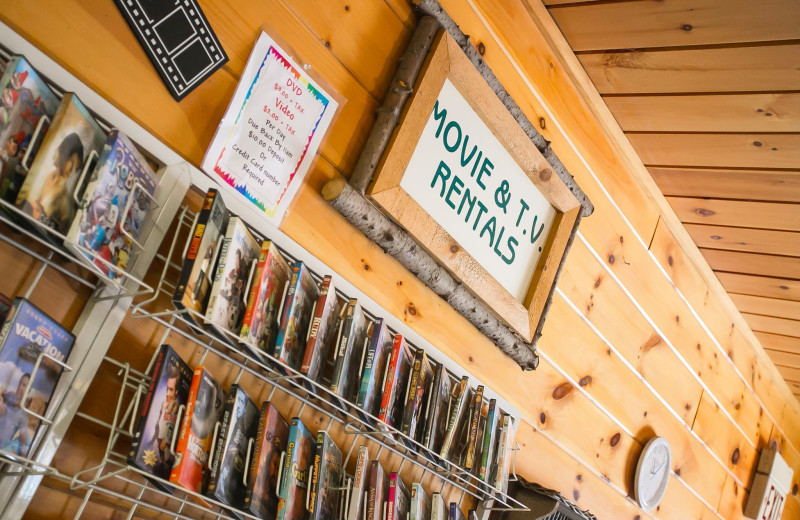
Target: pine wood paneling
[(726, 69), (622, 350), (707, 113), (752, 263), (780, 288), (790, 373), (778, 342), (719, 150), (766, 185), (626, 25), (763, 215), (767, 306), (786, 359), (749, 240), (773, 325)]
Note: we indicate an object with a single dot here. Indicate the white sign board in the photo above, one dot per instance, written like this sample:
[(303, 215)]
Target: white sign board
[(271, 131), (770, 487), (464, 178)]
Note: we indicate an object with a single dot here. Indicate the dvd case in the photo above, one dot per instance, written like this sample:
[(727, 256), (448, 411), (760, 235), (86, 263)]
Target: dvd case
[(395, 383), (197, 272), (296, 316), (28, 334), (261, 499), (151, 449), (370, 390), (458, 407), (398, 500), (57, 177), (437, 407), (238, 428), (203, 411), (361, 482), (474, 421), (421, 375), (420, 504), (116, 201), (489, 441), (294, 477), (228, 294), (348, 358), (327, 473), (260, 324), (322, 333), (27, 108), (438, 511), (378, 489)]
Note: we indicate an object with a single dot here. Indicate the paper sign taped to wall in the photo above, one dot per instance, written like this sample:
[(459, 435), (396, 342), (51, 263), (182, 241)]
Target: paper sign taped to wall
[(271, 131)]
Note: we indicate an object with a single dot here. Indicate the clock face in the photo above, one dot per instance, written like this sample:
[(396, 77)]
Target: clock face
[(652, 473)]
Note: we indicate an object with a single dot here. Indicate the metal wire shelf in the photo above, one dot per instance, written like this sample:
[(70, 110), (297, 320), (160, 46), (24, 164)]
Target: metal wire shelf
[(113, 477), (356, 421), (89, 261)]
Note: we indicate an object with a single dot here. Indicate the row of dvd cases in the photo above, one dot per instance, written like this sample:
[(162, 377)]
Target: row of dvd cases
[(138, 294)]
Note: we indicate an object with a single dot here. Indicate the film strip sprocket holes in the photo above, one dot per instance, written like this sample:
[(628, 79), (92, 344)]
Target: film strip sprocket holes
[(177, 37)]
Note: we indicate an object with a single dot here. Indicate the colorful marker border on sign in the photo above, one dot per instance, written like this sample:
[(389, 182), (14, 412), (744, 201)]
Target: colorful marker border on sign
[(266, 49)]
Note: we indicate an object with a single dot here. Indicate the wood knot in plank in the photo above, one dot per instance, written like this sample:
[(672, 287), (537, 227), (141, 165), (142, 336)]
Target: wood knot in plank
[(703, 212), (735, 456), (545, 174), (585, 380), (615, 439), (562, 391)]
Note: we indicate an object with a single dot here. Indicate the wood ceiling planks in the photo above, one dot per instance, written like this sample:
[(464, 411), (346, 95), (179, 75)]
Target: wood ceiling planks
[(708, 94), (778, 112), (607, 25), (767, 185), (767, 68)]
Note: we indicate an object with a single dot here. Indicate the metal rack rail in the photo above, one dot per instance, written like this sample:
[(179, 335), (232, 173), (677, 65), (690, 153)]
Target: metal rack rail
[(249, 358)]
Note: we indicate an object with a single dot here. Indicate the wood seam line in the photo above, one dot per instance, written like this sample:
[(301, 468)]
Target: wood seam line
[(697, 495), (291, 10), (590, 469), (666, 339), (650, 387), (554, 120)]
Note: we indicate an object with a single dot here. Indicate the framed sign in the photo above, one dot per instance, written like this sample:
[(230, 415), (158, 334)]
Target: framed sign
[(465, 180)]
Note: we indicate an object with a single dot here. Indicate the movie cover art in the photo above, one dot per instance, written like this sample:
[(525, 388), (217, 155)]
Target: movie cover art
[(326, 478), (260, 325), (228, 298), (239, 426), (203, 410), (169, 390), (296, 470), (322, 335), (28, 333), (197, 272), (271, 441), (296, 316), (99, 224), (369, 393), (27, 104), (72, 144)]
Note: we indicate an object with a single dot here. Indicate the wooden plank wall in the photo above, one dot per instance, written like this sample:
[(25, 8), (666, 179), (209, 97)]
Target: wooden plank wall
[(707, 94), (637, 343)]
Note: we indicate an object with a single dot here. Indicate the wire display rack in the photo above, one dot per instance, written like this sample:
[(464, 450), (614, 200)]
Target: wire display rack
[(227, 346), (114, 478)]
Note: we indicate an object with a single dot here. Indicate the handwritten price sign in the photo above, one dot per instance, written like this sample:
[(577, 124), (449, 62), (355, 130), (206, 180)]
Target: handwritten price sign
[(271, 130)]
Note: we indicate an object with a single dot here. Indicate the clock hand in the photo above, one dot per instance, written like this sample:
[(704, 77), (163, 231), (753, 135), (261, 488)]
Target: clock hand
[(658, 468)]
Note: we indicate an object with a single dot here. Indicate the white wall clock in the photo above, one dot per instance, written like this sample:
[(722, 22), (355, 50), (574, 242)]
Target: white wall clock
[(652, 473)]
